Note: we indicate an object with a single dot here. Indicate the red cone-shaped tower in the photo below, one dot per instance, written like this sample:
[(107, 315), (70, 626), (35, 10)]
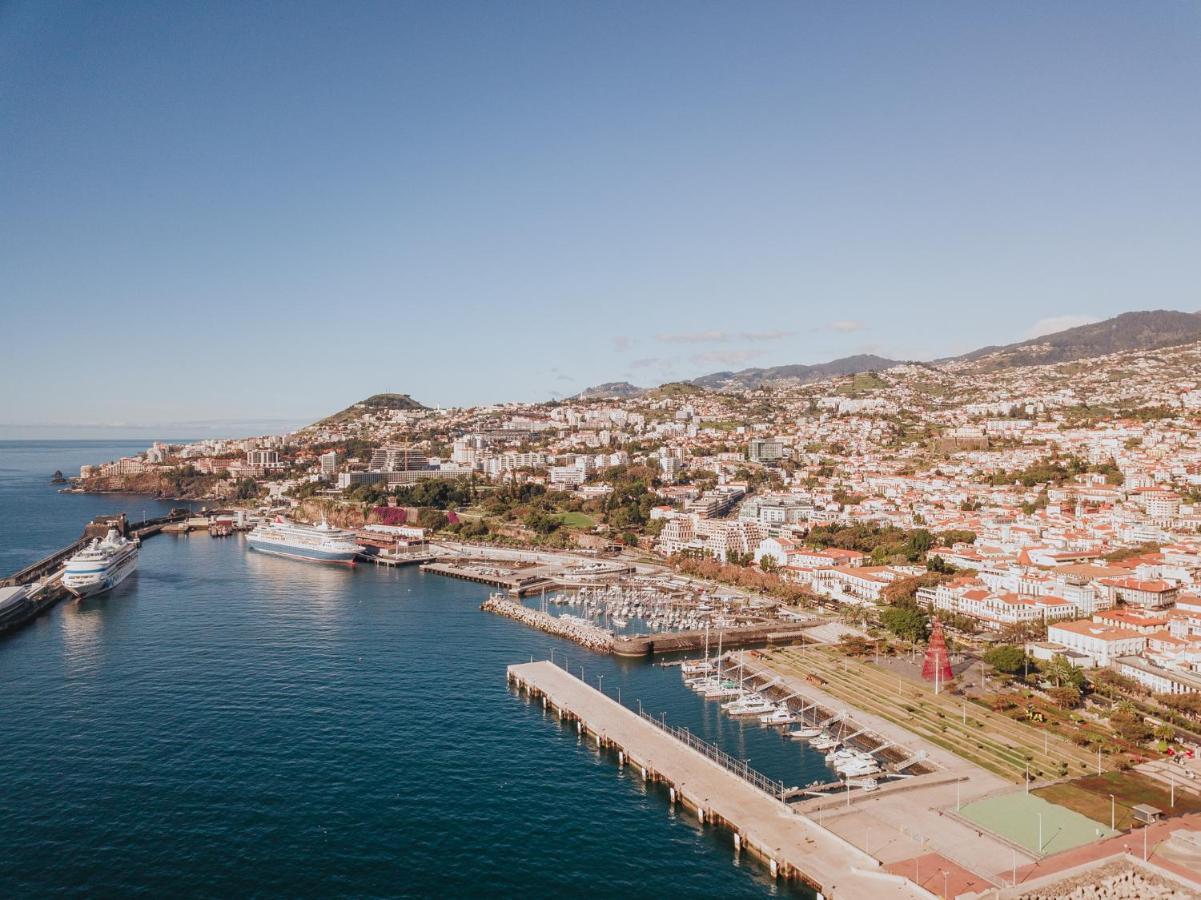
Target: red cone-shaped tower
[(937, 666)]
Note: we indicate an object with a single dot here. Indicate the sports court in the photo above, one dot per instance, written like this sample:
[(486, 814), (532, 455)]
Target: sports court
[(1016, 816)]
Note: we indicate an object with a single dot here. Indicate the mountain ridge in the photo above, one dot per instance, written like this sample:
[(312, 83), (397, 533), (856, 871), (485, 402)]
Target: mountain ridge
[(1128, 331)]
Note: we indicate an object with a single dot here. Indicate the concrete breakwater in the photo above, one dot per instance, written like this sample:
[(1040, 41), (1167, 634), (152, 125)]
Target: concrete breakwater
[(584, 634)]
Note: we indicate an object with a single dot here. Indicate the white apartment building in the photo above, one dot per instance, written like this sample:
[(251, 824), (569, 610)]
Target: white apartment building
[(329, 465), (567, 476), (1099, 642), (1157, 679)]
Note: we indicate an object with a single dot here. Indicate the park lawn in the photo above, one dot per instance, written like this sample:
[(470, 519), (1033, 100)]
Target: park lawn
[(577, 520), (1034, 822), (1089, 796)]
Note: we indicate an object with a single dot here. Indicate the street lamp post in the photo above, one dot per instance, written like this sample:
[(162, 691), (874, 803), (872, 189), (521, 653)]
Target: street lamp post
[(1040, 832), (1113, 814)]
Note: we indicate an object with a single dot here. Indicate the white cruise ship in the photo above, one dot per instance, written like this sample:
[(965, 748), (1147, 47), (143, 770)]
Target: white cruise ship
[(101, 565), (314, 543)]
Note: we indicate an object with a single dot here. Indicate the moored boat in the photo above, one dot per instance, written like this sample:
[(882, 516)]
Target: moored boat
[(101, 565), (311, 543)]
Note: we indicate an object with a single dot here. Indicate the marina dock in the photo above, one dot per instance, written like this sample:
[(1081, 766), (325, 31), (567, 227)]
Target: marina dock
[(719, 789), (518, 582)]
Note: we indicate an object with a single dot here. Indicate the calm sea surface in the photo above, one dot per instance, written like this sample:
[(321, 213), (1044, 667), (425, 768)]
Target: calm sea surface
[(229, 724)]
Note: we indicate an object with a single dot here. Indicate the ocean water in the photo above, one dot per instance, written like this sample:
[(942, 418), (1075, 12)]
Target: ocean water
[(231, 724)]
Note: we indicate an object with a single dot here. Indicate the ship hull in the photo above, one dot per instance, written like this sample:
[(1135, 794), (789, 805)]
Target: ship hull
[(304, 554), (81, 588)]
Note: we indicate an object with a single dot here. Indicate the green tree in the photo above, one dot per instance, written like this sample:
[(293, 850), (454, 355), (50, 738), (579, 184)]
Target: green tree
[(1006, 659), (1068, 696), (431, 519), (1062, 672), (905, 622), (542, 521)]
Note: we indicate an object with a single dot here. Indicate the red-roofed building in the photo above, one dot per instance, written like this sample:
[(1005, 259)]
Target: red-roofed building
[(1152, 594)]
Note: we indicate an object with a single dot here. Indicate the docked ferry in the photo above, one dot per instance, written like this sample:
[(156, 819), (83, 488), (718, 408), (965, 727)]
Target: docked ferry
[(101, 565), (313, 543)]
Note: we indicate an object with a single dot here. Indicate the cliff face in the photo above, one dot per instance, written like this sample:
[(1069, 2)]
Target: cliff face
[(203, 487), (340, 515), (343, 515)]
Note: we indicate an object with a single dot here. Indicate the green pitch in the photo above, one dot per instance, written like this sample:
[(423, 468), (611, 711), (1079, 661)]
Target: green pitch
[(1015, 816)]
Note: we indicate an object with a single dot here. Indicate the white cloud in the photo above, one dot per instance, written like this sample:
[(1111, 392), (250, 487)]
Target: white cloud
[(718, 337), (1052, 324), (622, 342), (723, 357), (693, 337), (773, 335), (847, 325)]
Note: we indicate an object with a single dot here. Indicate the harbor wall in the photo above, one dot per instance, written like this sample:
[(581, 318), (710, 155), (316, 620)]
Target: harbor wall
[(588, 636), (733, 638)]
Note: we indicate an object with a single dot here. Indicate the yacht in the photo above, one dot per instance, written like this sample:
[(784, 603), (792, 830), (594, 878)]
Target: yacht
[(723, 690), (101, 565), (858, 767), (824, 741), (782, 716), (750, 706)]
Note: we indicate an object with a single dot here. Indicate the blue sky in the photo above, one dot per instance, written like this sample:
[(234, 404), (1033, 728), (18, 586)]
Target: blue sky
[(245, 215)]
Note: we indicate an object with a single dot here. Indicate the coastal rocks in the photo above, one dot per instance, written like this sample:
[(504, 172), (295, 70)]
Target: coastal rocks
[(584, 634), (154, 484)]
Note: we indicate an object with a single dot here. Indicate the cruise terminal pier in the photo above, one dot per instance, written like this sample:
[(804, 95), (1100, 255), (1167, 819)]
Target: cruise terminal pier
[(751, 806)]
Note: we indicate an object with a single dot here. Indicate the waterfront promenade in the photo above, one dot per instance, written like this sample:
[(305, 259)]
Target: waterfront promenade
[(792, 844)]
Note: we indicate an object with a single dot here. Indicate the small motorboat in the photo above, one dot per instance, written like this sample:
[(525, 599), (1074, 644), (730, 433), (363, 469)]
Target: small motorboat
[(782, 716), (824, 741)]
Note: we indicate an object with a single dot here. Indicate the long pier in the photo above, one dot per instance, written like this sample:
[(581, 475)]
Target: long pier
[(720, 790)]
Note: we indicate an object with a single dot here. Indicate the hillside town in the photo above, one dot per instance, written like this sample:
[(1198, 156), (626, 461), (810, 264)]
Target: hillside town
[(1055, 505), (980, 579)]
